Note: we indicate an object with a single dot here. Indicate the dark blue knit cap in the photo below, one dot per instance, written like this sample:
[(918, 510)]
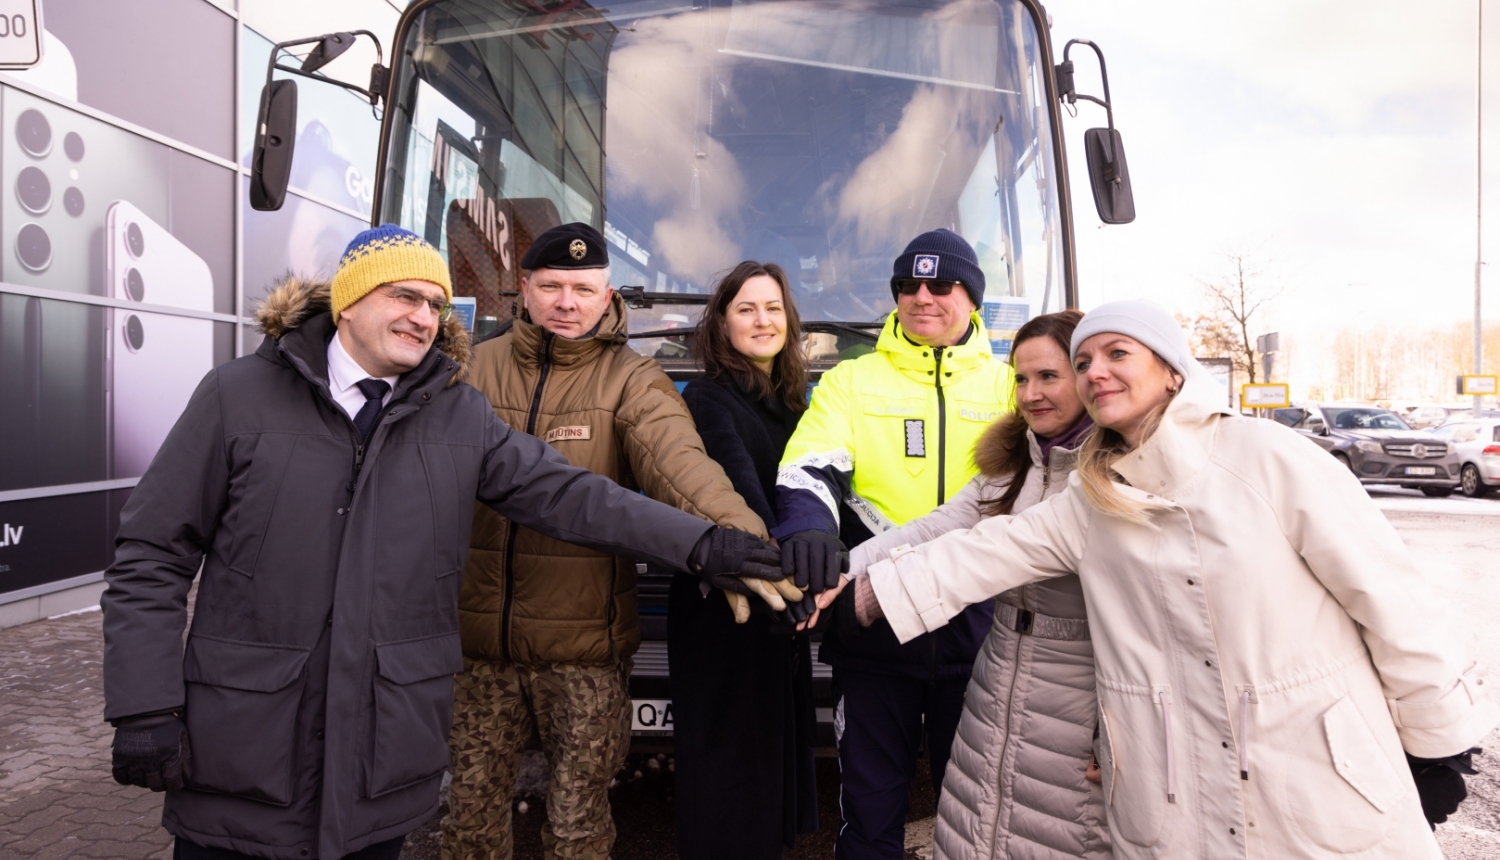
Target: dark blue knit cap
[(942, 255)]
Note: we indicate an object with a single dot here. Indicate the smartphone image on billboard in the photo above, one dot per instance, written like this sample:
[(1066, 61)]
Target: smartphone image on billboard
[(155, 361)]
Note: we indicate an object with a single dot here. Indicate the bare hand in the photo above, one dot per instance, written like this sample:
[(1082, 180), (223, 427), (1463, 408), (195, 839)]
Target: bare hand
[(810, 622), (1094, 774), (826, 597)]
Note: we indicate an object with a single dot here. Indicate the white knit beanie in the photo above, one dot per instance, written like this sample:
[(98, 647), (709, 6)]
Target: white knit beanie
[(1148, 323)]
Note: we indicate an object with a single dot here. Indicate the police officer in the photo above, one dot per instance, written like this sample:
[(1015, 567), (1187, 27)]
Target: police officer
[(888, 437)]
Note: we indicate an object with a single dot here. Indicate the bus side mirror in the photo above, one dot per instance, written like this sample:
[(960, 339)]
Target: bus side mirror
[(275, 134), (276, 124), (1109, 176)]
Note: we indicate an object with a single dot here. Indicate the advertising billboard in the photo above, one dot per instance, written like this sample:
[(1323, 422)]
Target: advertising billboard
[(130, 261)]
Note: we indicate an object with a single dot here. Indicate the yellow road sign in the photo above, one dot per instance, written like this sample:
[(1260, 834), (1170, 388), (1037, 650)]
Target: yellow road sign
[(1478, 383), (1265, 395)]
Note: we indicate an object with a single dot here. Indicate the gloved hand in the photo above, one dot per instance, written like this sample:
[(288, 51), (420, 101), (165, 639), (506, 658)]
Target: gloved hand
[(798, 611), (813, 560), (1440, 783), (151, 752), (724, 556)]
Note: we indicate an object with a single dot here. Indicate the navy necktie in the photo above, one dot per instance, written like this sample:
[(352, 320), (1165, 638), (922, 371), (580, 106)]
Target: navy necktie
[(374, 391)]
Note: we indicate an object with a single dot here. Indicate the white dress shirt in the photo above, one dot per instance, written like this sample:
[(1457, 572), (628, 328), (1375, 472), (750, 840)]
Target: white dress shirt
[(344, 374)]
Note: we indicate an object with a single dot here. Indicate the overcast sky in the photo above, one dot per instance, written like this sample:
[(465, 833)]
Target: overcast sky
[(1334, 140)]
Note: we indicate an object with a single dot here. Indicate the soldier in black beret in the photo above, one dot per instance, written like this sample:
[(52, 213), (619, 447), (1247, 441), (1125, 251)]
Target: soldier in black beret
[(549, 627)]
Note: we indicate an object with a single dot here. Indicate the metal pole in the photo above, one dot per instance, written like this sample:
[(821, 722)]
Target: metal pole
[(1479, 210)]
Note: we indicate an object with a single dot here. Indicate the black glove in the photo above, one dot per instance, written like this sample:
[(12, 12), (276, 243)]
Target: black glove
[(796, 613), (814, 560), (1440, 783), (722, 556), (151, 752)]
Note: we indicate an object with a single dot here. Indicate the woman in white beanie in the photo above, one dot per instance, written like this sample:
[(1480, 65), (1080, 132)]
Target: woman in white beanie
[(1271, 680)]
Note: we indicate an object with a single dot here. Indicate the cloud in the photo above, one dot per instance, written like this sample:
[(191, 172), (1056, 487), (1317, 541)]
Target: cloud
[(1336, 136), (659, 149)]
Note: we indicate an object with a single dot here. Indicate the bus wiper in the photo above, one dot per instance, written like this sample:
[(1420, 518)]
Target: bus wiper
[(638, 298)]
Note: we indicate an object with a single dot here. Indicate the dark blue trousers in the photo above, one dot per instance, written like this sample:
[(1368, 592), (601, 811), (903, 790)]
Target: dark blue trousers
[(883, 719)]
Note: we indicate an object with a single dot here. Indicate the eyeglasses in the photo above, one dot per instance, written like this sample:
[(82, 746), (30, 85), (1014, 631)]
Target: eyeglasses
[(910, 286), (411, 300)]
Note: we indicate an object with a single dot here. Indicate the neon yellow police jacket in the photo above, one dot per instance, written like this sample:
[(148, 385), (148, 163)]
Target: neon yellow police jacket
[(891, 434)]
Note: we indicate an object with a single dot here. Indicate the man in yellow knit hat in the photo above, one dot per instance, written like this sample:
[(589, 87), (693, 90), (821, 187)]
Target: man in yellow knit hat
[(324, 486)]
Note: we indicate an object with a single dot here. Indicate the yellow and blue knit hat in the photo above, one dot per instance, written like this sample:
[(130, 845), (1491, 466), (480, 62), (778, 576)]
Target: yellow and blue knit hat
[(383, 255)]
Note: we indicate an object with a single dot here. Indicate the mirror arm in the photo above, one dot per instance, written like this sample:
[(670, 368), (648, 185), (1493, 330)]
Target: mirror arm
[(372, 96), (378, 74)]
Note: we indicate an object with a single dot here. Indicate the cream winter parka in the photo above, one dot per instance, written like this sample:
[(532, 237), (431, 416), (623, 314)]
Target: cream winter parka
[(1266, 646), (1015, 786)]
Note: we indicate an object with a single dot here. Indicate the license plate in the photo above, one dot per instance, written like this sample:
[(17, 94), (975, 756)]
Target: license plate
[(651, 716), (1421, 470)]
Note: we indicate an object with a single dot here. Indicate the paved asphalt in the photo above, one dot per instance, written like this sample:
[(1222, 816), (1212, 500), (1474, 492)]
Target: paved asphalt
[(57, 799)]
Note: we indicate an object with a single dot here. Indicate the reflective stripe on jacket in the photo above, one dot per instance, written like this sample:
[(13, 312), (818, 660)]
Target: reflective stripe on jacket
[(1266, 647), (1015, 784)]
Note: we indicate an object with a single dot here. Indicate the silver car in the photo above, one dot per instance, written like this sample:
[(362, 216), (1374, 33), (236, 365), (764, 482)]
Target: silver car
[(1477, 441)]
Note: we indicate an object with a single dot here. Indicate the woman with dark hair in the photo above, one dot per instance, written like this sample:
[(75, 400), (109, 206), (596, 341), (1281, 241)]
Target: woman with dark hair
[(742, 693), (1030, 709)]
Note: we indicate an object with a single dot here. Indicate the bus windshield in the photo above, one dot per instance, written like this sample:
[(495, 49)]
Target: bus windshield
[(821, 136)]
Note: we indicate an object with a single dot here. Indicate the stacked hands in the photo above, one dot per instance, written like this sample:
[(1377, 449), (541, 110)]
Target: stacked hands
[(789, 579)]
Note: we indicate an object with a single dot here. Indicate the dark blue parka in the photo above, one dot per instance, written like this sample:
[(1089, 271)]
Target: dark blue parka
[(317, 678)]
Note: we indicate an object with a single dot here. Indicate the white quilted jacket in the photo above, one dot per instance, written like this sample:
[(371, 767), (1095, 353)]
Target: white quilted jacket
[(1266, 646), (1015, 786)]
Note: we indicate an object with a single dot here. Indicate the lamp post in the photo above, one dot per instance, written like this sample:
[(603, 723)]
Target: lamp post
[(1479, 209)]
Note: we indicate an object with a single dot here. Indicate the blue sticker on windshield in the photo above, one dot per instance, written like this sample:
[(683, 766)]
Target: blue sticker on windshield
[(925, 266)]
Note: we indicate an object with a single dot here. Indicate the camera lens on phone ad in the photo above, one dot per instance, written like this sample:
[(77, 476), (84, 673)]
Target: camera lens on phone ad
[(135, 286), (135, 333), (34, 133), (73, 202), (34, 190), (135, 240), (34, 247), (73, 146)]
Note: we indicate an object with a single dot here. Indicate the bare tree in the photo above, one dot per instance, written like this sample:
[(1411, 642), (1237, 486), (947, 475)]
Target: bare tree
[(1233, 306)]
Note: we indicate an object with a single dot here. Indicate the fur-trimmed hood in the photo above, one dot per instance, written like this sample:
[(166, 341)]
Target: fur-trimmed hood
[(992, 451), (295, 300)]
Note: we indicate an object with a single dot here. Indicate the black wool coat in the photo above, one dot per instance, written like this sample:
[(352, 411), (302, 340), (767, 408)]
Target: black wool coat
[(317, 678), (741, 693)]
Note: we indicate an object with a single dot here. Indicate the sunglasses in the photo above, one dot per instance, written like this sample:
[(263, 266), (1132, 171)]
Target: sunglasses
[(910, 286)]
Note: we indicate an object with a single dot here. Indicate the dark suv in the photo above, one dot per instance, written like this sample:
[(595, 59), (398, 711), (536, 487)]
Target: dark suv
[(1376, 445)]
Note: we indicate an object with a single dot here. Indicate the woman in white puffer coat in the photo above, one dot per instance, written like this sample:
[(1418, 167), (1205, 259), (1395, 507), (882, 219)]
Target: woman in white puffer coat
[(1016, 785), (1273, 678)]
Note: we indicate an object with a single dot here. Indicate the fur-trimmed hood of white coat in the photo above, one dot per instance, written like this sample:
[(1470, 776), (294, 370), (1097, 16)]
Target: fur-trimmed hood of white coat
[(1266, 646)]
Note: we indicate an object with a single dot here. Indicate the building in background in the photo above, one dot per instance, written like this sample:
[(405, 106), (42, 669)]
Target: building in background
[(130, 259)]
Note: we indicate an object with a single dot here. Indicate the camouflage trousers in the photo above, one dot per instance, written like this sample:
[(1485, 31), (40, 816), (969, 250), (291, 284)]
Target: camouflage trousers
[(582, 714)]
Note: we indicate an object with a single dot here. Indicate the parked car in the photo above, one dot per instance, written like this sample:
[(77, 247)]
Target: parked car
[(1477, 443), (1431, 415), (1376, 445)]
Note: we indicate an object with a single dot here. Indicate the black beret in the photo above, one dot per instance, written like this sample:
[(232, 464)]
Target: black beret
[(571, 246)]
